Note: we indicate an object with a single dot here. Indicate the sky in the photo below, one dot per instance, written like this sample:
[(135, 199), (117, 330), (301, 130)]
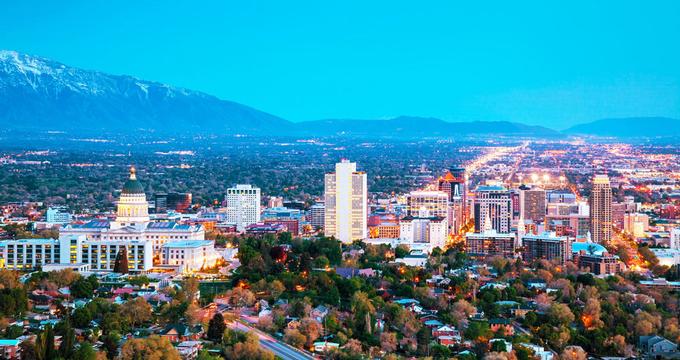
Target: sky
[(537, 62)]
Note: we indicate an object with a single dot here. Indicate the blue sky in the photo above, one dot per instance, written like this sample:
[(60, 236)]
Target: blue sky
[(537, 62)]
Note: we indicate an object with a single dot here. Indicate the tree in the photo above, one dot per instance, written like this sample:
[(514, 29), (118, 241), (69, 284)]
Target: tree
[(190, 288), (152, 348), (28, 350), (216, 327), (276, 288), (240, 297), (121, 265), (294, 337), (83, 288), (362, 308), (248, 349), (311, 329), (136, 311), (498, 346), (591, 314), (388, 342), (560, 314), (84, 352), (68, 340), (573, 353), (141, 280), (110, 342)]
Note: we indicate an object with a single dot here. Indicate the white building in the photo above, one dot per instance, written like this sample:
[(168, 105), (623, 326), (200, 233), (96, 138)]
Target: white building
[(346, 200), (675, 239), (133, 223), (191, 256), (57, 216), (27, 254), (424, 232), (435, 202), (243, 206)]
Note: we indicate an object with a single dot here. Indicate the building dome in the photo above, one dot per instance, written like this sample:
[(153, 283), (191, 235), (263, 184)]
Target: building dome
[(132, 185), (132, 205)]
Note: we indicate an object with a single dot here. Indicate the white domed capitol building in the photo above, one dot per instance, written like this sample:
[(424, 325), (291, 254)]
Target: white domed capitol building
[(96, 244)]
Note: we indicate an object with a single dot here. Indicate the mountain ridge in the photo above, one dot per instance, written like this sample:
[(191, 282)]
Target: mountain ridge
[(39, 95), (628, 127)]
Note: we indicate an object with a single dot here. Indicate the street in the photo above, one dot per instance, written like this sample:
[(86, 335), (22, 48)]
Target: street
[(279, 348)]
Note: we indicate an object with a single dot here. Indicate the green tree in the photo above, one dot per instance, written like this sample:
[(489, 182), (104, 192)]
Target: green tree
[(110, 343), (121, 264), (216, 327), (68, 339), (85, 352)]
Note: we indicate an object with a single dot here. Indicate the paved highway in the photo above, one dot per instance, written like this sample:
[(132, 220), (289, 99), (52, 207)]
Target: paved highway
[(279, 348)]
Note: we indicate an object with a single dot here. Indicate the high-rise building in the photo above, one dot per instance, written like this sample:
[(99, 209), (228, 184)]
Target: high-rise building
[(601, 210), (547, 246), (243, 205), (490, 243), (424, 229), (180, 202), (436, 203), (316, 215), (346, 200), (532, 204), (495, 203), (675, 239), (453, 184), (636, 224)]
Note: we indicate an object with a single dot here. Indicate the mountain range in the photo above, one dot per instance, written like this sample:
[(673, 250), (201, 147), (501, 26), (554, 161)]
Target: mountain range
[(38, 95)]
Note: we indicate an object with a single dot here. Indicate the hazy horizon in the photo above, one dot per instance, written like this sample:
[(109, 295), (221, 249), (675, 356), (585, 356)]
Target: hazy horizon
[(526, 63)]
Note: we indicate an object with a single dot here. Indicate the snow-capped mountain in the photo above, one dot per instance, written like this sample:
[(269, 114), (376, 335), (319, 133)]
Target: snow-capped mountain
[(40, 94)]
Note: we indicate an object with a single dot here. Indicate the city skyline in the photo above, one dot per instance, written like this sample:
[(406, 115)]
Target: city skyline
[(458, 63)]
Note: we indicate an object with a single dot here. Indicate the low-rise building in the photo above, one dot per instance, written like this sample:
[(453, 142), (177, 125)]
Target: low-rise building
[(191, 255)]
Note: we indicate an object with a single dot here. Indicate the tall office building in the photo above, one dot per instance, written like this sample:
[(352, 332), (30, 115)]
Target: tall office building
[(601, 210), (453, 184), (346, 200), (436, 203), (243, 206), (317, 215), (532, 204), (495, 203)]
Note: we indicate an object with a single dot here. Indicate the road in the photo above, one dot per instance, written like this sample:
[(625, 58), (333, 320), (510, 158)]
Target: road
[(279, 348)]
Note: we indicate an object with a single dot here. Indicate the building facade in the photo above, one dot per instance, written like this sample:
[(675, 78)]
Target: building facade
[(436, 203), (601, 210), (346, 203), (243, 205), (490, 243), (494, 203), (532, 204), (190, 256), (546, 246)]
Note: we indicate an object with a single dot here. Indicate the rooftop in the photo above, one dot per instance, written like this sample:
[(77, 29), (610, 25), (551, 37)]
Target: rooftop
[(187, 244)]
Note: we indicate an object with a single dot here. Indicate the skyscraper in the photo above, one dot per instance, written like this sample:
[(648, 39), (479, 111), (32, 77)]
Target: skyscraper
[(601, 210), (532, 204), (243, 205), (435, 202), (495, 203), (453, 184), (346, 199)]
